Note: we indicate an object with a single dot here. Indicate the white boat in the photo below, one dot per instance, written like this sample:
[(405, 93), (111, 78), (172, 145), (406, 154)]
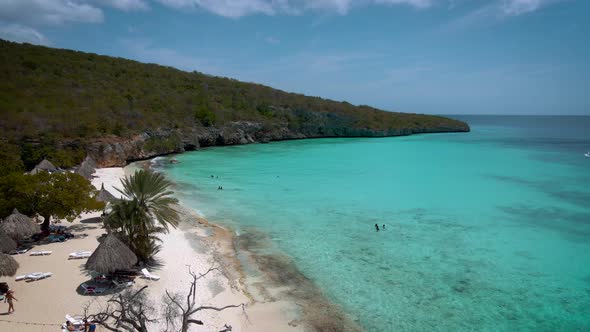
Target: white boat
[(587, 154)]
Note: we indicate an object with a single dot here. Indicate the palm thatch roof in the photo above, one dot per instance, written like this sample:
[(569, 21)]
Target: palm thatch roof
[(105, 196), (18, 226), (46, 165), (110, 256), (87, 168), (8, 266), (6, 243)]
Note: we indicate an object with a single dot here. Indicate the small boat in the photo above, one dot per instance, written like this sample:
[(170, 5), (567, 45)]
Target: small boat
[(587, 154)]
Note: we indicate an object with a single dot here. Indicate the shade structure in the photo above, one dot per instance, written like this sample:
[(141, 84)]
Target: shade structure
[(111, 255), (18, 226), (8, 266), (105, 196), (6, 243), (46, 165), (87, 168)]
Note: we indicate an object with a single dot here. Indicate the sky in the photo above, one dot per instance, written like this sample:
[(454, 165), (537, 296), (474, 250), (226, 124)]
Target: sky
[(419, 56)]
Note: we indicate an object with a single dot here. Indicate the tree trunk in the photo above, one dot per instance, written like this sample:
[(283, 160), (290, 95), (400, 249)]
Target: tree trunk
[(45, 224)]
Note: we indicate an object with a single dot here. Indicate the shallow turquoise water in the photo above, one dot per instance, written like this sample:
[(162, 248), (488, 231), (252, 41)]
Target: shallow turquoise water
[(486, 231)]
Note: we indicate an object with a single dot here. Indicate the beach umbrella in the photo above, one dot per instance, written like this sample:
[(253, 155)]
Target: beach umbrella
[(18, 226), (105, 196), (46, 165), (8, 266), (110, 256), (87, 168), (6, 243)]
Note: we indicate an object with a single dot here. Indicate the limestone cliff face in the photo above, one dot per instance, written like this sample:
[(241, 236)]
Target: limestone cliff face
[(114, 151)]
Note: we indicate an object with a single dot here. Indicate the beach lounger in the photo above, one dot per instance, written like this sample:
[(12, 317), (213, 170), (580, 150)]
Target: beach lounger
[(80, 254), (39, 276), (40, 253), (19, 278), (91, 289), (74, 321), (146, 274), (19, 251), (122, 284)]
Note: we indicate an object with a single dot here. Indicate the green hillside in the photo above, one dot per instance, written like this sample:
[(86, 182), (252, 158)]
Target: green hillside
[(50, 96)]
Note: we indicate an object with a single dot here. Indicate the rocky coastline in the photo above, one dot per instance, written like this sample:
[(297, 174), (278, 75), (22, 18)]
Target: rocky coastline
[(119, 151)]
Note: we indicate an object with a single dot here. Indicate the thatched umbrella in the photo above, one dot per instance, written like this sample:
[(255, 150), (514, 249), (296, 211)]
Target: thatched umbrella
[(110, 256), (46, 165), (18, 226), (8, 266), (105, 196), (6, 243), (87, 168)]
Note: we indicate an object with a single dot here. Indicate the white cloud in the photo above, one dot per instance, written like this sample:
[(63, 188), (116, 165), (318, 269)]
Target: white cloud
[(519, 7), (49, 11), (126, 5), (238, 8), (22, 34)]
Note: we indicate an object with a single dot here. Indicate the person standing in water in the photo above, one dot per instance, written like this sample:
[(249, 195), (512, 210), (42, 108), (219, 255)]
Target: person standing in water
[(383, 227), (9, 298), (376, 228)]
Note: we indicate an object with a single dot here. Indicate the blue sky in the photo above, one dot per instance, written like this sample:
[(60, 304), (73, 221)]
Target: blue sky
[(422, 56)]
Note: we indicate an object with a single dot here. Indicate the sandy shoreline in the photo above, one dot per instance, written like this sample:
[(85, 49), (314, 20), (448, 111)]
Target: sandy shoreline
[(195, 244)]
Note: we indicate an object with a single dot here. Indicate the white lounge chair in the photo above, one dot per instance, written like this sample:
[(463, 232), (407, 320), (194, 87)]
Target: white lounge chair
[(80, 254), (39, 276), (20, 251), (91, 289), (19, 278), (40, 253), (74, 321), (148, 275), (122, 284)]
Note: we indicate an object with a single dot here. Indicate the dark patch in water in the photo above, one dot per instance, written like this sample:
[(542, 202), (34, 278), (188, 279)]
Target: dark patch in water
[(280, 271), (579, 198), (553, 218)]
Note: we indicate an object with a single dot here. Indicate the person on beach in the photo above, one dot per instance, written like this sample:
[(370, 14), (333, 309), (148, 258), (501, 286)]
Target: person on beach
[(376, 228), (9, 298)]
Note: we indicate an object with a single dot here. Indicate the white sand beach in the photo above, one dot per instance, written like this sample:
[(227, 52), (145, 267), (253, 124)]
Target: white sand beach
[(195, 244)]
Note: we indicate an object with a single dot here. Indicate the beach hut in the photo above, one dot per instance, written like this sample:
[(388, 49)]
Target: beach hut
[(6, 243), (87, 168), (111, 255), (8, 266), (18, 226), (105, 196), (44, 165)]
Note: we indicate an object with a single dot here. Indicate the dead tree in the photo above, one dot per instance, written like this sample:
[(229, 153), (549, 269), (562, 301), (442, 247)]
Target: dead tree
[(129, 311), (185, 311)]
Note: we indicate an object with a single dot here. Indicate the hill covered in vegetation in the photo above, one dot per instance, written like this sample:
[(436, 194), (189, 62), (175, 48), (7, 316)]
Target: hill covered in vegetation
[(63, 104)]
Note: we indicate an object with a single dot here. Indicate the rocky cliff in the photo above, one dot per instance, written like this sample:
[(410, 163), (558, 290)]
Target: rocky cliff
[(110, 152)]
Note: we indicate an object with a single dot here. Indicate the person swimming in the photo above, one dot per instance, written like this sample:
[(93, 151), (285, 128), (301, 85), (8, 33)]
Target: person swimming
[(383, 227), (376, 228)]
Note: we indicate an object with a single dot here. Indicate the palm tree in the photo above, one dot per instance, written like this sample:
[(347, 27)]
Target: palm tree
[(145, 210)]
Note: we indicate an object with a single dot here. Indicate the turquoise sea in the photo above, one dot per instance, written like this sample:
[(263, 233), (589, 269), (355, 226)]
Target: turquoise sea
[(485, 231)]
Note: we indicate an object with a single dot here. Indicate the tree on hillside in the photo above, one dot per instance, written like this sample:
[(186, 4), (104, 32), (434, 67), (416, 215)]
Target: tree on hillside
[(10, 161), (57, 195), (147, 209)]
